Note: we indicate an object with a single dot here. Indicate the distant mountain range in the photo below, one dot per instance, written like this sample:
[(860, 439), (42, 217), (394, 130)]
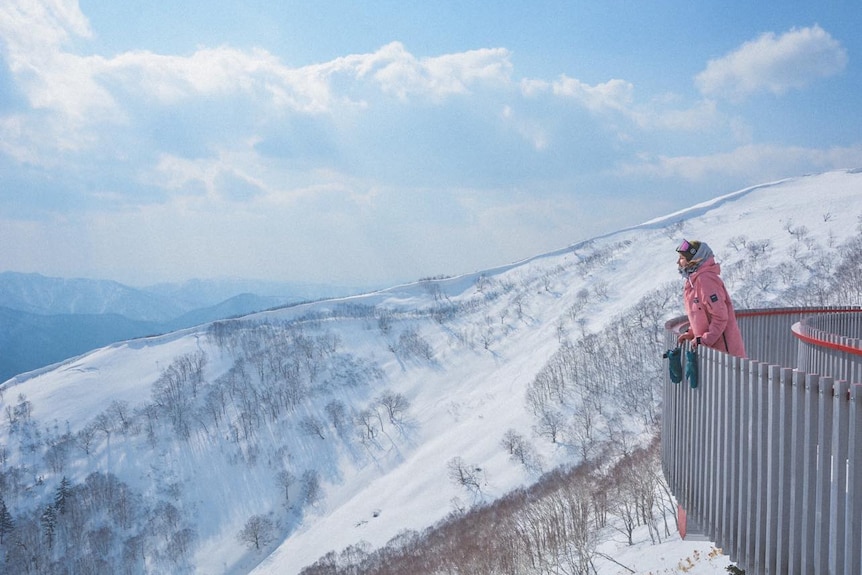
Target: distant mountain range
[(44, 320)]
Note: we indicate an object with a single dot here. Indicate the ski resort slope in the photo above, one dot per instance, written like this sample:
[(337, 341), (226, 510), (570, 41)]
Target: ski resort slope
[(462, 397)]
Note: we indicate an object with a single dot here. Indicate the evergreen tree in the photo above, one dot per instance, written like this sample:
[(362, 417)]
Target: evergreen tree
[(49, 524), (6, 523), (63, 491)]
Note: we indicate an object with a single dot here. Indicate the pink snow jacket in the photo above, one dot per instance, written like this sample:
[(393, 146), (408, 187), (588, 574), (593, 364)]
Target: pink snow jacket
[(710, 311)]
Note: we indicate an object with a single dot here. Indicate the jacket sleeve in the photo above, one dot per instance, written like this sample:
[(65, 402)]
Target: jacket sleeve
[(713, 298)]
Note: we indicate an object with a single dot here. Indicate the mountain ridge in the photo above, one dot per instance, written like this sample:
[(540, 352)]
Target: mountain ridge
[(47, 319)]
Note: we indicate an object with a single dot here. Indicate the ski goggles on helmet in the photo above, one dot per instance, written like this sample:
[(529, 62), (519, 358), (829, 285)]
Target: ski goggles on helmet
[(687, 249)]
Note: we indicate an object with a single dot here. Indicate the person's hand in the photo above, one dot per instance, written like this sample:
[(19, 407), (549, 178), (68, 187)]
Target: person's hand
[(683, 337)]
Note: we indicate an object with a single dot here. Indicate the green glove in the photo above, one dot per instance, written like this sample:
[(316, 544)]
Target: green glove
[(674, 364), (691, 367)]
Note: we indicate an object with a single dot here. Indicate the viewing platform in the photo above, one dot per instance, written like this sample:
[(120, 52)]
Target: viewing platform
[(764, 456)]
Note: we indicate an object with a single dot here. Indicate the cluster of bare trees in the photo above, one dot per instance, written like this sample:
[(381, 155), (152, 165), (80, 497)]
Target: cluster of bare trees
[(277, 368), (815, 273), (522, 451), (554, 526), (593, 387), (176, 390), (283, 376)]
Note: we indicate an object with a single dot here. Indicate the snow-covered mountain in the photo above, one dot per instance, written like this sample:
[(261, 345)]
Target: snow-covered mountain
[(204, 293), (46, 320), (260, 444), (38, 294)]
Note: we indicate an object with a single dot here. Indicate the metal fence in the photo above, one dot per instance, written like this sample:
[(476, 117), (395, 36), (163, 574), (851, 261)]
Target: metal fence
[(765, 458)]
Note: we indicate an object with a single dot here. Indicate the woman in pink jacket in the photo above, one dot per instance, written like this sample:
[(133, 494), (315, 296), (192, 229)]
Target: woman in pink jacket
[(708, 306)]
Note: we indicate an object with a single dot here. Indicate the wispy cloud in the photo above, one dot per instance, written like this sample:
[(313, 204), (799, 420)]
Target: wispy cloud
[(613, 95), (760, 161), (610, 95), (773, 63), (399, 72), (76, 92)]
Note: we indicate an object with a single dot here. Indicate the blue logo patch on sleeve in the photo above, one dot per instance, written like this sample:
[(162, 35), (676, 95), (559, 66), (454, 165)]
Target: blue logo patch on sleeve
[(713, 298)]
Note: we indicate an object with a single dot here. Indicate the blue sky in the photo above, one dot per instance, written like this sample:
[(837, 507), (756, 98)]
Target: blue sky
[(369, 143)]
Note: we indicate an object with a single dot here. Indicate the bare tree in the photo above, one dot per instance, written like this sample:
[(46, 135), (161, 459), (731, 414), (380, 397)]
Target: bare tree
[(311, 425), (365, 420), (550, 424), (85, 437), (311, 490), (285, 480), (337, 413), (521, 450), (412, 344), (172, 393), (395, 404), (121, 413), (259, 531), (58, 453), (465, 475), (104, 423)]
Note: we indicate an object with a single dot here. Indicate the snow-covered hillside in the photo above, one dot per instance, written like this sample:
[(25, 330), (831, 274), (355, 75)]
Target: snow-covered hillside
[(338, 422)]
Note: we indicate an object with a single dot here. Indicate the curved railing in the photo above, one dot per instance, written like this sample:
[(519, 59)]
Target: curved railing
[(830, 343), (765, 455)]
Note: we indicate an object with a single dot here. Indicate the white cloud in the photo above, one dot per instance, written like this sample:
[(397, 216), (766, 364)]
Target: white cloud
[(34, 35), (532, 87), (309, 89), (618, 97), (400, 73), (223, 71), (36, 26), (79, 95), (773, 64), (611, 95)]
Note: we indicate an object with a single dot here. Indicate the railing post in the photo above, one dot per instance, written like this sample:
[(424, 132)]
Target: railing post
[(809, 475), (733, 441), (853, 522), (699, 427), (838, 491), (688, 445), (711, 386), (745, 478), (773, 460), (824, 478), (783, 478), (796, 440), (760, 438)]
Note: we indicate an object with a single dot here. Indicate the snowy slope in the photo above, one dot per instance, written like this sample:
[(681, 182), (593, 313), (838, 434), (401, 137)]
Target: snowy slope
[(462, 397)]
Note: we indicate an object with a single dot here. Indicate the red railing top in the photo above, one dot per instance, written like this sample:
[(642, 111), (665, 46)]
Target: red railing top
[(824, 336), (796, 310), (800, 332)]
